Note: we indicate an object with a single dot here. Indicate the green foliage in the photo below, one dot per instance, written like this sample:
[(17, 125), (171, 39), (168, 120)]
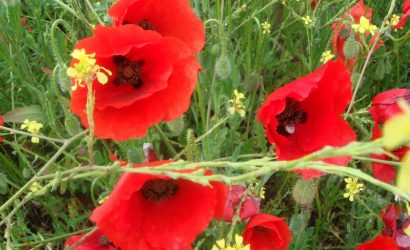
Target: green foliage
[(237, 55)]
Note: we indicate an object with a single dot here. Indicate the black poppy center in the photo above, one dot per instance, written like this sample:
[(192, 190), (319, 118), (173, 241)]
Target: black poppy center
[(128, 71), (260, 230), (146, 25), (159, 190), (290, 117), (103, 240)]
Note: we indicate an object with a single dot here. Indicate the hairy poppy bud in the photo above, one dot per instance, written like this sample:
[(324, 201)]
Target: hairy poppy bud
[(223, 67), (351, 48), (176, 126), (304, 192), (252, 82), (380, 71)]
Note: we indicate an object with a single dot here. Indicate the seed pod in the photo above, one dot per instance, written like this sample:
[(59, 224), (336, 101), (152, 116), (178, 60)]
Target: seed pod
[(304, 192)]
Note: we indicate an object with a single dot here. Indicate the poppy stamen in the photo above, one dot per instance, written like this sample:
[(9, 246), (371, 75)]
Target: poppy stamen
[(292, 115), (159, 190), (260, 230), (128, 71), (146, 25), (104, 241)]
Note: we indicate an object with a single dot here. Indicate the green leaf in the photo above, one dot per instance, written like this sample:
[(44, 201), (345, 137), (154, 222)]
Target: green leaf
[(18, 115)]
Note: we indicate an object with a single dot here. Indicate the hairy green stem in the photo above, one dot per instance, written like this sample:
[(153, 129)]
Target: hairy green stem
[(369, 55), (42, 170), (166, 141)]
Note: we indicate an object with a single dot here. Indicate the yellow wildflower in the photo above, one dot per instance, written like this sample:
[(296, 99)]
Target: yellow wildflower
[(353, 188), (236, 104), (86, 69), (35, 187), (394, 20), (326, 56), (307, 20), (259, 189), (364, 26), (266, 28), (221, 244), (32, 127)]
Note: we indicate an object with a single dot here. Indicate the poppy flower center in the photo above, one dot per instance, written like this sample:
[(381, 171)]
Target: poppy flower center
[(290, 117), (146, 25), (159, 190), (128, 71), (260, 230), (104, 241)]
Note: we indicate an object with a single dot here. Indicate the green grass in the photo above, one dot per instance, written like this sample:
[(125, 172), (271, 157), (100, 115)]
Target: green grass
[(32, 72)]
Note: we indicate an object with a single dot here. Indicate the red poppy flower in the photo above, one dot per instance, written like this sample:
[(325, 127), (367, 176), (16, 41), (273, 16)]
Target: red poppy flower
[(305, 115), (152, 80), (394, 225), (341, 32), (157, 212), (249, 208), (174, 18), (384, 106), (406, 12), (379, 243), (95, 241), (267, 232)]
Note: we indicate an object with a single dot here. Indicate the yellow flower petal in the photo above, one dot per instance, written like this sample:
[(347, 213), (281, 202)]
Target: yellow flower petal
[(396, 131)]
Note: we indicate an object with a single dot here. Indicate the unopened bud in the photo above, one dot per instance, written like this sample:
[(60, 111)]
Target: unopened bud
[(223, 67)]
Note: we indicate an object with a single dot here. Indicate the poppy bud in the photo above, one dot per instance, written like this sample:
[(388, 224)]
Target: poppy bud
[(380, 71), (304, 191), (64, 82), (355, 78), (3, 184), (351, 48), (252, 82), (133, 155), (223, 67), (11, 2), (176, 126), (215, 49)]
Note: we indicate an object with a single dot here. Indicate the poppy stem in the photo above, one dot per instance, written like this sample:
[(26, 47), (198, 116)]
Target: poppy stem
[(35, 178), (90, 119), (64, 236), (166, 141)]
